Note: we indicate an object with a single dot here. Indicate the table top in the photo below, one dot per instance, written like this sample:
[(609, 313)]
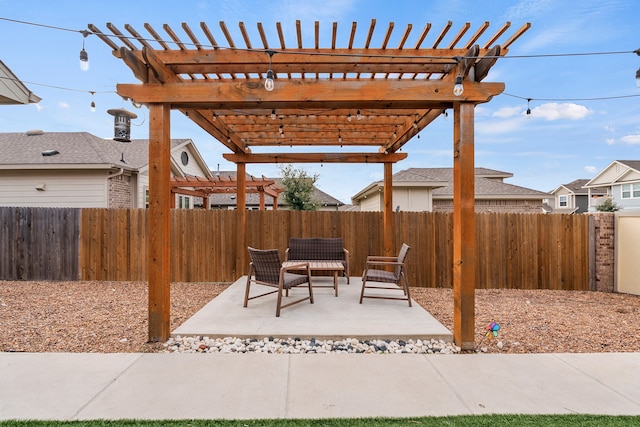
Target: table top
[(317, 265)]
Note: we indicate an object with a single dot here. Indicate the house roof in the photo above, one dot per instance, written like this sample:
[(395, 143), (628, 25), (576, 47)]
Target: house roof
[(75, 150), (254, 199), (488, 183), (617, 172), (12, 90), (577, 187)]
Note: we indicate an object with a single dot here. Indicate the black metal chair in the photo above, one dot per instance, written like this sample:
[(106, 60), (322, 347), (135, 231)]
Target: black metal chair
[(266, 269), (377, 269)]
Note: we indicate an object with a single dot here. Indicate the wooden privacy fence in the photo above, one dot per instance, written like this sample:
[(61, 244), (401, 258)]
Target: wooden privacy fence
[(524, 251), (39, 243)]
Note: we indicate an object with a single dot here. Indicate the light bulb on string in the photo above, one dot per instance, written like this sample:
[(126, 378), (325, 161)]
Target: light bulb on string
[(93, 103), (528, 108), (269, 84), (358, 115), (458, 89), (84, 56)]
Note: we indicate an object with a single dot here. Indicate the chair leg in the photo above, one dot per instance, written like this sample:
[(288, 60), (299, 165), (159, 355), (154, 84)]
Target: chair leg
[(364, 283), (406, 288), (310, 290), (246, 292), (279, 303)]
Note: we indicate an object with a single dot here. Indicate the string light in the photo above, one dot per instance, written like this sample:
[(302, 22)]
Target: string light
[(84, 56), (268, 82), (528, 108), (349, 116), (415, 122), (273, 114), (339, 136), (214, 116), (637, 52), (93, 103), (358, 115)]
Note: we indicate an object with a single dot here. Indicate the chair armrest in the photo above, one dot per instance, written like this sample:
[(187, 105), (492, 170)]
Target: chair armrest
[(383, 263), (381, 258), (346, 255), (286, 254)]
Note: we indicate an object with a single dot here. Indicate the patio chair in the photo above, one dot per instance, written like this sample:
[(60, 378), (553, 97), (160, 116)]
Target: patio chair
[(266, 269), (377, 271)]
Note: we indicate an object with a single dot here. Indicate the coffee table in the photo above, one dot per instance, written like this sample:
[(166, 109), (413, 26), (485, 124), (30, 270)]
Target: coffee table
[(331, 266)]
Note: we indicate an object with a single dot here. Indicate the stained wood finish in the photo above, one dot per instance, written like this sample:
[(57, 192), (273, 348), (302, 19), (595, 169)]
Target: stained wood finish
[(159, 222), (214, 86), (464, 233), (319, 90)]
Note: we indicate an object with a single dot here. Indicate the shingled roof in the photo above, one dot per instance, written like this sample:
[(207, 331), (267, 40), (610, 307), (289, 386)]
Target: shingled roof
[(75, 150), (488, 183)]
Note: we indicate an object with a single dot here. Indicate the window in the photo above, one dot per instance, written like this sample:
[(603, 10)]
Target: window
[(146, 198), (562, 201), (631, 191)]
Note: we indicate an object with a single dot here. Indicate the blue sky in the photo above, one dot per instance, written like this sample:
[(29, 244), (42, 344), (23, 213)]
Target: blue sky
[(564, 139)]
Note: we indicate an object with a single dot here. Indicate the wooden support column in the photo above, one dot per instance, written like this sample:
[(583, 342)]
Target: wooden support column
[(241, 212), (388, 209), (159, 217), (261, 194), (464, 226)]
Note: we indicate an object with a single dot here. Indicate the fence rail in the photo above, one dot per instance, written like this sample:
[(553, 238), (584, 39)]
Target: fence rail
[(524, 251)]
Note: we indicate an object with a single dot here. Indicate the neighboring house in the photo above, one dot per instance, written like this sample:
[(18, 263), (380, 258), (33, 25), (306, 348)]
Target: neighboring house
[(431, 189), (228, 201), (575, 198), (78, 169), (12, 90), (621, 180)]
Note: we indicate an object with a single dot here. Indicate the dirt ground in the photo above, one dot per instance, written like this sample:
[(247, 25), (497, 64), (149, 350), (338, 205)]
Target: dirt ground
[(109, 317)]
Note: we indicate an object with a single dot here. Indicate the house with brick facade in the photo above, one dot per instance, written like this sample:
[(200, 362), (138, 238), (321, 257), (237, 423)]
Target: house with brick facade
[(78, 169), (431, 190)]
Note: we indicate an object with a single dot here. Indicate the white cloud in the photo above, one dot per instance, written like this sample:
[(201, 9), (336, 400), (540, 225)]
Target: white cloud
[(506, 112), (499, 126), (38, 106), (610, 141), (609, 128), (554, 111), (63, 105), (590, 169), (631, 139)]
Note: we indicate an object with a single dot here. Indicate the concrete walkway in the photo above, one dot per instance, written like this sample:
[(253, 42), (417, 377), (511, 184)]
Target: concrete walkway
[(72, 386)]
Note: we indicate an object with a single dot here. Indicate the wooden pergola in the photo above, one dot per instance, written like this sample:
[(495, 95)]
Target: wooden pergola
[(204, 187), (329, 104)]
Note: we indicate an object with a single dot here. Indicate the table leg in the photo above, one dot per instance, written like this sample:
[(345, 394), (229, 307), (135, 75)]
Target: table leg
[(335, 281)]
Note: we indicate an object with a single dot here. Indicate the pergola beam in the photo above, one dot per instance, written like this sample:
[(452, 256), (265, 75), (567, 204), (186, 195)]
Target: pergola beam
[(316, 158), (387, 94)]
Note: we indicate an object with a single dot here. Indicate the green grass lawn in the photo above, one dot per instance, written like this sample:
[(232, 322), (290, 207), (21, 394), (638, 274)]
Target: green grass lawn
[(461, 421)]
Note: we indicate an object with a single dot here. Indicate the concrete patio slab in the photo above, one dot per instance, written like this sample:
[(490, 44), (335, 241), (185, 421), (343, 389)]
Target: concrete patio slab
[(329, 317)]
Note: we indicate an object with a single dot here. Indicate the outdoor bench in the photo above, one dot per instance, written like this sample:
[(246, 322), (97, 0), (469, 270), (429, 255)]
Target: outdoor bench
[(318, 249)]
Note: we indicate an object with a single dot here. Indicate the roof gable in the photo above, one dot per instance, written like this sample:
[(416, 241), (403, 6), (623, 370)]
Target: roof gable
[(617, 172)]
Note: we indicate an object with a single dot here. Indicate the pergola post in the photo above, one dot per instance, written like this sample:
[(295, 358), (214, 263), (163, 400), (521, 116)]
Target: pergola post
[(464, 226), (159, 218), (388, 209), (241, 215)]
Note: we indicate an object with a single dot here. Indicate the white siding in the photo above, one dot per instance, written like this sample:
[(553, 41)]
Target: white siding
[(372, 202), (412, 199), (67, 188)]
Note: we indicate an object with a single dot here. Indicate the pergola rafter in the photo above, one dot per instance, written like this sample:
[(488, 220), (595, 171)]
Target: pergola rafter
[(373, 98)]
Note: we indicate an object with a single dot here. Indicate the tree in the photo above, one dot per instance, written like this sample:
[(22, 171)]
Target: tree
[(608, 205), (298, 188)]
